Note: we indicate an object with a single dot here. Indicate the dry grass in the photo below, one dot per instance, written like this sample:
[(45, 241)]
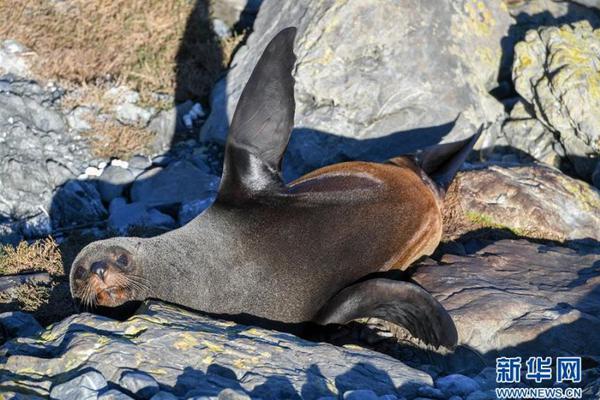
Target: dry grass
[(136, 42), (111, 139), (42, 255)]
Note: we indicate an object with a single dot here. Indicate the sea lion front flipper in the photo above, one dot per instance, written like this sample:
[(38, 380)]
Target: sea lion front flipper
[(403, 303), (261, 125)]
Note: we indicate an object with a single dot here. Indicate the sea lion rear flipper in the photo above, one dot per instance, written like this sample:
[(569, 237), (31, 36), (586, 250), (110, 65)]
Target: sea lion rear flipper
[(261, 125), (403, 303), (442, 161)]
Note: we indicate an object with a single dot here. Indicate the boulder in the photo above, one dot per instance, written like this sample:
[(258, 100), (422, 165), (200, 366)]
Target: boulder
[(113, 181), (392, 73), (515, 297), (124, 216), (77, 203), (528, 200), (192, 355), (556, 72), (178, 183), (37, 154)]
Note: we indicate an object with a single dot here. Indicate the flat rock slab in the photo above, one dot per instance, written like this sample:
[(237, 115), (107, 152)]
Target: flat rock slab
[(531, 201), (189, 354), (522, 298)]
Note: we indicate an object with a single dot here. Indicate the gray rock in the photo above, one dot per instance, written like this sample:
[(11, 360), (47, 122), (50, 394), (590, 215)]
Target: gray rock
[(487, 378), (363, 394), (168, 123), (533, 201), (80, 118), (82, 387), (18, 324), (139, 162), (366, 81), (179, 182), (431, 392), (140, 384), (191, 210), (124, 216), (12, 59), (596, 176), (236, 12), (230, 394), (555, 71), (164, 396), (220, 28), (131, 114), (113, 181), (114, 394), (76, 203), (515, 297), (9, 234), (456, 385), (185, 351), (36, 153)]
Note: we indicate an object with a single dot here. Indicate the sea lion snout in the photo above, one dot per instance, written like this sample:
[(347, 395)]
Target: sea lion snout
[(106, 274)]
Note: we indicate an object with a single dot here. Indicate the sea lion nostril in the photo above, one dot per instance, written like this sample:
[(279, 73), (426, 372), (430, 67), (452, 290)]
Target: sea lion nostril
[(98, 268)]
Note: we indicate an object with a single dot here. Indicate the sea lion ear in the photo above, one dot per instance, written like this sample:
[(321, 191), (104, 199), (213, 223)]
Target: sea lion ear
[(261, 125), (402, 303)]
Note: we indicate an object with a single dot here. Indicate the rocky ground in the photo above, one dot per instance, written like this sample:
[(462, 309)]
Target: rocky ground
[(519, 267)]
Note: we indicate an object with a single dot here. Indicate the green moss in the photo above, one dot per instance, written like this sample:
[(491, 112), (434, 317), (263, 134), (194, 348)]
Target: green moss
[(489, 222)]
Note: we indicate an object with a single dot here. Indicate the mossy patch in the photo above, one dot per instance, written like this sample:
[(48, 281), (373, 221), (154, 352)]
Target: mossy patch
[(488, 222)]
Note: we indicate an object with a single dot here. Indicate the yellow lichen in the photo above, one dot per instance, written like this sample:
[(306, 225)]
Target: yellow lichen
[(186, 341)]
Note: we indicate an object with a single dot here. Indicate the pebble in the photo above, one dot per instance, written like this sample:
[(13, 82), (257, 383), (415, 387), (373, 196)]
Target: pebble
[(83, 387), (119, 163), (456, 384), (114, 394), (362, 394), (139, 383), (231, 394), (93, 171), (19, 324), (164, 396)]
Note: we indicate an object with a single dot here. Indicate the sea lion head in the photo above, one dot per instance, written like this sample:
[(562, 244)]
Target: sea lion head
[(109, 273)]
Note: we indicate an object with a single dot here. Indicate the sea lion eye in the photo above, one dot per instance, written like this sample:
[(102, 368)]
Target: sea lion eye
[(123, 260), (79, 272)]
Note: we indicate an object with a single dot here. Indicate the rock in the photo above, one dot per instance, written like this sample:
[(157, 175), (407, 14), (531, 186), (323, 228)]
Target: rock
[(124, 216), (164, 396), (515, 297), (487, 378), (82, 387), (139, 163), (77, 203), (13, 58), (36, 153), (9, 234), (191, 210), (18, 324), (178, 183), (237, 12), (114, 394), (556, 73), (131, 114), (113, 182), (367, 81), (140, 384), (230, 394), (166, 124), (121, 95), (364, 394), (596, 176), (80, 118), (456, 385), (533, 201), (220, 28), (183, 351), (431, 392)]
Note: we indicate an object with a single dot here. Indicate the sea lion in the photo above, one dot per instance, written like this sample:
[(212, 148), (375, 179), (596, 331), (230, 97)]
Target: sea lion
[(289, 253)]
